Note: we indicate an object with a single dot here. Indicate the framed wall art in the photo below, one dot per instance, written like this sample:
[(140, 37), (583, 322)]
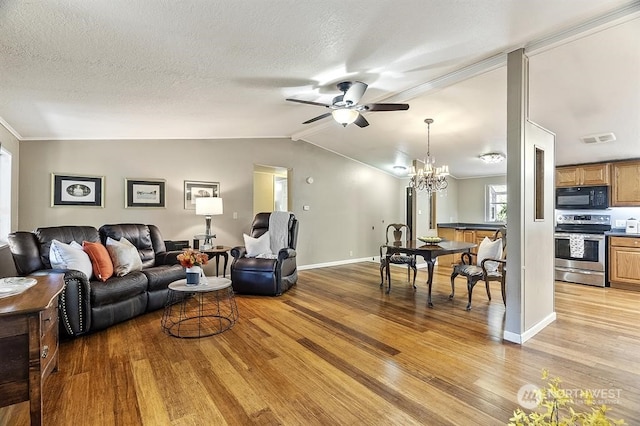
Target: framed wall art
[(144, 193), (74, 190), (197, 189)]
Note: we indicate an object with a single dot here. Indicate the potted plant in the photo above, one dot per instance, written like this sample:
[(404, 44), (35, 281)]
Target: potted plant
[(193, 260)]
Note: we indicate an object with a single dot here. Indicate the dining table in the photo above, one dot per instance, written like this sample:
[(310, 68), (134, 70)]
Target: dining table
[(428, 251)]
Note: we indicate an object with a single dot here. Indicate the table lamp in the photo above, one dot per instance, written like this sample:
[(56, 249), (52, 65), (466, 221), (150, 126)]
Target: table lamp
[(207, 207)]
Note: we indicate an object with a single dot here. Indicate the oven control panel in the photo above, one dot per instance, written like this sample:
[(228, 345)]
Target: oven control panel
[(584, 219)]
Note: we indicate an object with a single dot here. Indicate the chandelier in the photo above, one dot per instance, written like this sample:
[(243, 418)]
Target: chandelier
[(429, 178)]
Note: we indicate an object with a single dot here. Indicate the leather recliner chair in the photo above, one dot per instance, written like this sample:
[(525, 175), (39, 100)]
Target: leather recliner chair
[(269, 277)]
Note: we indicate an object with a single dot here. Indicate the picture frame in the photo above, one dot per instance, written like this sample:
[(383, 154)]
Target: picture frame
[(194, 189), (77, 190), (145, 193)]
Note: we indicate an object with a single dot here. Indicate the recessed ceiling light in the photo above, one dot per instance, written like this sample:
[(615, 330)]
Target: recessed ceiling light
[(493, 157), (399, 168)]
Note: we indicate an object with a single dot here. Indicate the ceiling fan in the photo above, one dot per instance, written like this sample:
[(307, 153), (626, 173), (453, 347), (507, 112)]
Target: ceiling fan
[(346, 109)]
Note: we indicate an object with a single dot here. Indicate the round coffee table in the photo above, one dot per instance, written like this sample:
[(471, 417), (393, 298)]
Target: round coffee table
[(201, 310)]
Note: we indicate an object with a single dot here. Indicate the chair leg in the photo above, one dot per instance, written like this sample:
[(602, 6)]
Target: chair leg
[(382, 266), (453, 288), (504, 295), (470, 284), (486, 284), (415, 272)]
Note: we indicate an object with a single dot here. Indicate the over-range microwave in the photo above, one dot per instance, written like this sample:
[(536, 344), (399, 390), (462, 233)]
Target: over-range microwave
[(582, 197)]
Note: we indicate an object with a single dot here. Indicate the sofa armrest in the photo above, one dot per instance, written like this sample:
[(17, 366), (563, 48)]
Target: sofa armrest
[(238, 252), (168, 258), (74, 303), (286, 253)]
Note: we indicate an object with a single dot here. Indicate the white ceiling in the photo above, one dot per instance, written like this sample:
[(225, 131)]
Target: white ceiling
[(142, 69)]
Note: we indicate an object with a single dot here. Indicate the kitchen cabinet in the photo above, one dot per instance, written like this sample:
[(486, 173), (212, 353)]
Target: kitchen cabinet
[(583, 175), (624, 262), (474, 236), (625, 188), (450, 235)]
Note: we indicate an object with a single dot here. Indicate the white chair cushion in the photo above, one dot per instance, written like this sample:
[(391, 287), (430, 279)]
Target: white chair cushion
[(490, 250), (70, 256), (260, 246)]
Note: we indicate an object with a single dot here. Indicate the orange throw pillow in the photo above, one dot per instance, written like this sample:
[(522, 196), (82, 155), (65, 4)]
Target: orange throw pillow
[(100, 260)]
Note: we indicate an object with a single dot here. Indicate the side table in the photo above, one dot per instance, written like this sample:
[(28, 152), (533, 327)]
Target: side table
[(217, 251), (201, 310), (29, 343)]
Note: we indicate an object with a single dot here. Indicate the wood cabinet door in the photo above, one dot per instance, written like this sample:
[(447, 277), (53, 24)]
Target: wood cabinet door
[(624, 267), (450, 235), (625, 190), (595, 174), (567, 176)]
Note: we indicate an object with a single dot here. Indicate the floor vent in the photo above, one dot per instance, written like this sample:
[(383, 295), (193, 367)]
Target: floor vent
[(601, 138)]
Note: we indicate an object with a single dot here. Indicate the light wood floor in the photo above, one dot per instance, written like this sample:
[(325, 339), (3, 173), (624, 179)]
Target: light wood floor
[(338, 350)]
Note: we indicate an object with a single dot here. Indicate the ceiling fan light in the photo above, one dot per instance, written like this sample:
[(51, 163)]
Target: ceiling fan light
[(493, 157), (345, 116)]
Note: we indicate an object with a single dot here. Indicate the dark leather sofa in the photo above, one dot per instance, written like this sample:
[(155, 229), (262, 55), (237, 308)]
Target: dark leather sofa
[(85, 305), (268, 277)]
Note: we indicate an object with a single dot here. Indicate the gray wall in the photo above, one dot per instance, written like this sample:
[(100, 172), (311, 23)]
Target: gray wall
[(471, 197), (349, 202)]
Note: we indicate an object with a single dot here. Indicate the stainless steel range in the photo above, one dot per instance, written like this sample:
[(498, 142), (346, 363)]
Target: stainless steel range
[(580, 248)]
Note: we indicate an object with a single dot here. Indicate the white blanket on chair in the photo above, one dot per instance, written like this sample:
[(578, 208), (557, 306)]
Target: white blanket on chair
[(279, 231)]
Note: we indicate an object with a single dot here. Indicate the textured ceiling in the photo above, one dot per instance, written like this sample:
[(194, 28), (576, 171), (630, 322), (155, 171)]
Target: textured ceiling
[(94, 69)]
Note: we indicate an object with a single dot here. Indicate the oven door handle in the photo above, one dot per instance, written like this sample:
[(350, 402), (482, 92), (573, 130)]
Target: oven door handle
[(580, 271)]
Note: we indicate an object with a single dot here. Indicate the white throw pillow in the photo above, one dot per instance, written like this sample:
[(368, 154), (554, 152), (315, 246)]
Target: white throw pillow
[(124, 255), (257, 246), (490, 250), (70, 256)]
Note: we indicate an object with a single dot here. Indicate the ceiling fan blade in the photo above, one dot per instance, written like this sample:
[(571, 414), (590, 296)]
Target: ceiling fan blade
[(320, 117), (361, 121), (355, 92), (300, 101), (386, 107)]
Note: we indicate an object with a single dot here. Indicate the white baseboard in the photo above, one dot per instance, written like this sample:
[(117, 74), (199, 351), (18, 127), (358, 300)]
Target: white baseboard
[(528, 334), (335, 263), (374, 259)]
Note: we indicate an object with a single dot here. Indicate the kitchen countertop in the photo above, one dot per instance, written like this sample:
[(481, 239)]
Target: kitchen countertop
[(620, 232), (462, 225)]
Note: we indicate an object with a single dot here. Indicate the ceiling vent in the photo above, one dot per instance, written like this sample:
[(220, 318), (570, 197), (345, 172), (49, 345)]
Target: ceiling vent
[(600, 138)]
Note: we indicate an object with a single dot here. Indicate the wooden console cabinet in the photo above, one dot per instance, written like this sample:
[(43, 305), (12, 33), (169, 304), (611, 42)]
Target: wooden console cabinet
[(583, 175), (624, 262), (29, 343)]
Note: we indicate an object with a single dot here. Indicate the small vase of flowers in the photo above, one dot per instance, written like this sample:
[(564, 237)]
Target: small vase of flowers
[(192, 260)]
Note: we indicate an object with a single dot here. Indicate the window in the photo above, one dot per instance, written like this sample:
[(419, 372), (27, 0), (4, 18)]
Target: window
[(5, 194), (496, 203)]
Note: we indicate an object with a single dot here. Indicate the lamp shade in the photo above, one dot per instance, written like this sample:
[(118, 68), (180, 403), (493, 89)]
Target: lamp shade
[(208, 206)]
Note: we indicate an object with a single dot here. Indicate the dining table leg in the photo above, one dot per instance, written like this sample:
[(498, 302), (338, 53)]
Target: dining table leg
[(430, 263)]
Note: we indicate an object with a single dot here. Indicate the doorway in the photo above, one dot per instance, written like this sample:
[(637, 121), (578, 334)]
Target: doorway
[(271, 188)]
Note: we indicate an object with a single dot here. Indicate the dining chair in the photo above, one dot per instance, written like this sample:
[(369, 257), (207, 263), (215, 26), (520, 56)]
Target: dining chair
[(489, 265), (401, 232)]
